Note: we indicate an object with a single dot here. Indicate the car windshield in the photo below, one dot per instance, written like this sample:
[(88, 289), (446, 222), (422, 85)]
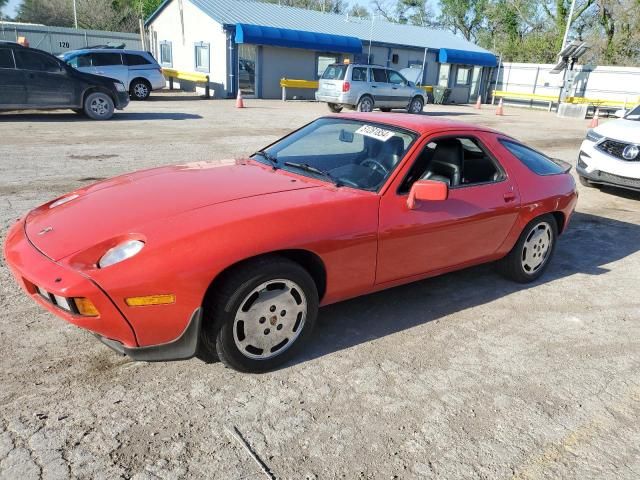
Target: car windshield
[(347, 152), (633, 114), (334, 72)]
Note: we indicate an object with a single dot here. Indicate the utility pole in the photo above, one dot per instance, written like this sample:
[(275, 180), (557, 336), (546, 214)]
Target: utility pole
[(75, 14)]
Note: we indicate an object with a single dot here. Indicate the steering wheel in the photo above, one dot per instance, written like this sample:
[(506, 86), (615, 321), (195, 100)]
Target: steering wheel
[(376, 166)]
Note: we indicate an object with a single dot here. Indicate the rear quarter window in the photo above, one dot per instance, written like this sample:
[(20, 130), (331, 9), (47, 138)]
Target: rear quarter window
[(535, 161), (132, 59), (334, 72)]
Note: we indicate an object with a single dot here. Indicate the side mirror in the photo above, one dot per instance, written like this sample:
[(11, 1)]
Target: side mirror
[(620, 113), (427, 190)]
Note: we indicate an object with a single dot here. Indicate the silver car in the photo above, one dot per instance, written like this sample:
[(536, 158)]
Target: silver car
[(365, 87), (138, 70)]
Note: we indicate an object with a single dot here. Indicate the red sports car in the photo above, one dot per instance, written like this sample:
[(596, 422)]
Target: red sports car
[(233, 261)]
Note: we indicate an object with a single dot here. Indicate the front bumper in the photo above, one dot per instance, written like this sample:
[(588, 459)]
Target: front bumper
[(602, 168), (121, 100), (32, 269)]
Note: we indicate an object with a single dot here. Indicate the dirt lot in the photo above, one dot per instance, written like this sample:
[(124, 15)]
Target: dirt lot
[(462, 376)]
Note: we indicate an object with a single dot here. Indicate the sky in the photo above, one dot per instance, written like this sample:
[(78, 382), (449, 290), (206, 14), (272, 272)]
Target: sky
[(11, 7)]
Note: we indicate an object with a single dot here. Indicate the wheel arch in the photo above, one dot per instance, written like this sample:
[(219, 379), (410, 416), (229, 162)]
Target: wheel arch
[(307, 259), (560, 220), (133, 80)]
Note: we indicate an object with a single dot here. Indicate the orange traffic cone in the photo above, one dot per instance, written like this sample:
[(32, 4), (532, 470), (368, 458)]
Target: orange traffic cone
[(500, 110), (239, 102), (478, 103), (595, 120)]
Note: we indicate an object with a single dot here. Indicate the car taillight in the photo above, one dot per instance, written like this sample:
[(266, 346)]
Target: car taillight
[(346, 86)]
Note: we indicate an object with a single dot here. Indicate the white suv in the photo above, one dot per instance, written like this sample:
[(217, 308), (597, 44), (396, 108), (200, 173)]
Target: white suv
[(610, 154), (138, 70)]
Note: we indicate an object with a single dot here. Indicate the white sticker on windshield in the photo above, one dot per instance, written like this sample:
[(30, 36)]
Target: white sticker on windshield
[(375, 132)]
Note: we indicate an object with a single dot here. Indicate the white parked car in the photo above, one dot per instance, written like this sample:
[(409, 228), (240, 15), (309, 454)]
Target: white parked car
[(138, 70), (610, 154)]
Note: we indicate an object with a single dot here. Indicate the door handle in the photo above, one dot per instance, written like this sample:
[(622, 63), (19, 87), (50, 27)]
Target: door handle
[(509, 197)]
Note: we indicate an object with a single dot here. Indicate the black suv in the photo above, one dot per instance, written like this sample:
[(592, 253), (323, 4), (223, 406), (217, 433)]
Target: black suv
[(33, 79)]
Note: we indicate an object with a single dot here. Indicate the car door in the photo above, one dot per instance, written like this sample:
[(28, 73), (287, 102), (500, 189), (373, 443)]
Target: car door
[(46, 78), (468, 227), (109, 64), (380, 88), (13, 91), (400, 89)]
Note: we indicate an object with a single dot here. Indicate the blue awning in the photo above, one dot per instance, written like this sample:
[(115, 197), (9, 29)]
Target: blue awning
[(463, 57), (282, 37)]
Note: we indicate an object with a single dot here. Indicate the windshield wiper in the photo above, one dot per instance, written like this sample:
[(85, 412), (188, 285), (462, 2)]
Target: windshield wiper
[(309, 168), (270, 158)]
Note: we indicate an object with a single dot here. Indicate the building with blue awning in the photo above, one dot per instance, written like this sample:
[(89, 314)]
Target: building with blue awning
[(249, 45)]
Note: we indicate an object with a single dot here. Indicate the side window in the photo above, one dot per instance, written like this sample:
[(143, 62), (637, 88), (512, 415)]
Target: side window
[(359, 74), (166, 54), (202, 57), (534, 161), (379, 75), (29, 60), (456, 161), (395, 78), (6, 58), (134, 59), (83, 61), (105, 59)]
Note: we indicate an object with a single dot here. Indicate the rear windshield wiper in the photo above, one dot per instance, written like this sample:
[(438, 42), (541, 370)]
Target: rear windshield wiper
[(270, 158), (309, 168)]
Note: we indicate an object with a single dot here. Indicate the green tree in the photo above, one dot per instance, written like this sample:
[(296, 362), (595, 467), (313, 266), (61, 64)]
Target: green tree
[(467, 17)]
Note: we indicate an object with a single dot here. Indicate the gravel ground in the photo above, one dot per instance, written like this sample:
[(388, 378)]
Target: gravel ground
[(461, 376)]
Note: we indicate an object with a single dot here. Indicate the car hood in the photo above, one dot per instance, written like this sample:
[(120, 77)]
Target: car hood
[(123, 205), (621, 129)]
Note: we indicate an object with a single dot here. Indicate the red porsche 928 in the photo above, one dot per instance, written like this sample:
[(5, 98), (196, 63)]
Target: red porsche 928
[(233, 261)]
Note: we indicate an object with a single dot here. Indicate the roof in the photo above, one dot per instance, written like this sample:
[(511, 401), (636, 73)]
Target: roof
[(231, 12), (422, 124)]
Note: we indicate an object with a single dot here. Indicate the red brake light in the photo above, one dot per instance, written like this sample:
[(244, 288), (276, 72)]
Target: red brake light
[(346, 86)]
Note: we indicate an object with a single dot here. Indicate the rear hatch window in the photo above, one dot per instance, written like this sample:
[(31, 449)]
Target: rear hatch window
[(534, 160), (334, 72)]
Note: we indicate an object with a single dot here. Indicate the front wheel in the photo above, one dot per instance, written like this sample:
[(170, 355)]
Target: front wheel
[(99, 106), (416, 105), (532, 253), (334, 107), (260, 315)]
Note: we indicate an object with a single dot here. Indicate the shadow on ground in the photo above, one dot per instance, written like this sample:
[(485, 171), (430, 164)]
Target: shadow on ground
[(588, 246), (74, 117)]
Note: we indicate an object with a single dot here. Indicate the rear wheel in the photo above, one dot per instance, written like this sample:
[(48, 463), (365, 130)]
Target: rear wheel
[(532, 252), (260, 315), (99, 106), (365, 104), (334, 107), (139, 89)]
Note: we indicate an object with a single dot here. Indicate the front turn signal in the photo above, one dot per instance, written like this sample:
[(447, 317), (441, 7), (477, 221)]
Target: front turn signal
[(86, 307), (163, 299)]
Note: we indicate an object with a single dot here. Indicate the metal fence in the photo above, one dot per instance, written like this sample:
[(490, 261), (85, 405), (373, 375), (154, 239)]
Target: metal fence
[(57, 40)]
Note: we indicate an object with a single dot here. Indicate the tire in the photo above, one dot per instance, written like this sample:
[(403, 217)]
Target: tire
[(366, 104), (139, 89), (531, 254), (98, 106), (243, 330), (334, 107), (415, 105), (585, 182), (385, 109)]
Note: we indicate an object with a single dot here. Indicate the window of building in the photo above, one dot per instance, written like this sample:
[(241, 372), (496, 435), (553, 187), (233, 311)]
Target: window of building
[(463, 76), (379, 75), (6, 58), (443, 75), (359, 74), (30, 60), (166, 54), (133, 59), (323, 61), (202, 57)]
